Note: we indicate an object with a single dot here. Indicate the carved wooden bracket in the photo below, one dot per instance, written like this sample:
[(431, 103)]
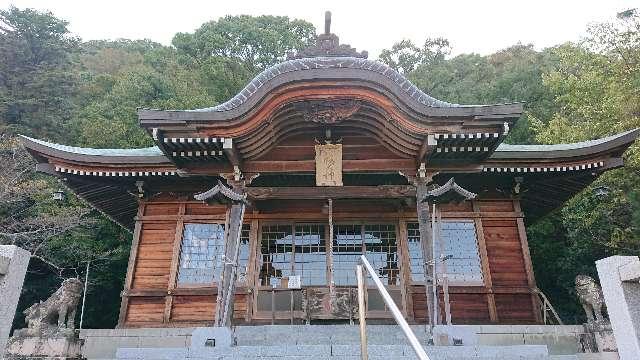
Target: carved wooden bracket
[(328, 112)]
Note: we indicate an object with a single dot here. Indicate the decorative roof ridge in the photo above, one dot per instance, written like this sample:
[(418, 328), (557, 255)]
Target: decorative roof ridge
[(327, 62), (328, 45), (624, 137)]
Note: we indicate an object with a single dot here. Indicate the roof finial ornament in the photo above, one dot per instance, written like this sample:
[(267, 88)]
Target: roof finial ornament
[(327, 45), (327, 22)]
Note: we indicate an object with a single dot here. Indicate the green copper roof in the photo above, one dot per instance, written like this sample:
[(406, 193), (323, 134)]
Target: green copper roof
[(148, 151), (149, 155), (565, 150)]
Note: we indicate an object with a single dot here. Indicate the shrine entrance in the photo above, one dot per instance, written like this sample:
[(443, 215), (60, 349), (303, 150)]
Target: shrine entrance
[(304, 276)]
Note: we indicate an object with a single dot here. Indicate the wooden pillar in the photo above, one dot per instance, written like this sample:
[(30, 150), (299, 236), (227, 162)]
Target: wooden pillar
[(528, 266), (405, 267), (424, 219), (227, 286), (175, 263), (484, 260), (252, 268), (133, 256)]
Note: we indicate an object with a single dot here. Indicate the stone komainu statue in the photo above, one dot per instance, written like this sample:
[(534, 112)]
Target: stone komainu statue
[(590, 296), (57, 312)]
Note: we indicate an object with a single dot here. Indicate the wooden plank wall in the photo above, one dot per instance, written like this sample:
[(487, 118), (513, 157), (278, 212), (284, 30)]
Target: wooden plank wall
[(506, 296), (152, 299)]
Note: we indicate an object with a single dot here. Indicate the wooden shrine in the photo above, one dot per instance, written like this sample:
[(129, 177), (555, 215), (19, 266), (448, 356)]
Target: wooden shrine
[(319, 159)]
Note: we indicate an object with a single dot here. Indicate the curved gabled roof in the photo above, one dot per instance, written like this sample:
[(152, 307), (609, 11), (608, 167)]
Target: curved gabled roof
[(339, 70), (317, 63)]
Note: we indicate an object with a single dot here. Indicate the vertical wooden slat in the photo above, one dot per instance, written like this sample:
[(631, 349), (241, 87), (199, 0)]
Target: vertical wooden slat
[(484, 258), (528, 265), (133, 255), (175, 263)]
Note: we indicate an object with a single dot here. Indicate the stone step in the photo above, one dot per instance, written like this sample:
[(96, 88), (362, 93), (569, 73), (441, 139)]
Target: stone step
[(335, 352), (323, 334)]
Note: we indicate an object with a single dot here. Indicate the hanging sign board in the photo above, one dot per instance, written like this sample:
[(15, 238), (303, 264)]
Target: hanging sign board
[(329, 165)]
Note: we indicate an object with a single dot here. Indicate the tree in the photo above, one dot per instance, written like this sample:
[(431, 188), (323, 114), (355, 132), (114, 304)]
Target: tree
[(36, 78), (596, 90), (255, 42), (510, 75), (405, 56)]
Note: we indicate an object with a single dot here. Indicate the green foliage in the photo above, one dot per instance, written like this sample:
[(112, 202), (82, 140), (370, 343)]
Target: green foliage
[(405, 56), (36, 77), (255, 42)]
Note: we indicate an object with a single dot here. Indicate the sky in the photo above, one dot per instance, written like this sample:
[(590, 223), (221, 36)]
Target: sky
[(480, 26)]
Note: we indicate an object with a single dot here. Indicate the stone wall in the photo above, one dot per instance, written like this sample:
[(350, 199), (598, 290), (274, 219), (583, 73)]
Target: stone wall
[(13, 268)]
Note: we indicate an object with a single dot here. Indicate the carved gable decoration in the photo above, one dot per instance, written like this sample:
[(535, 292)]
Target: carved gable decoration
[(328, 45), (329, 165), (328, 112)]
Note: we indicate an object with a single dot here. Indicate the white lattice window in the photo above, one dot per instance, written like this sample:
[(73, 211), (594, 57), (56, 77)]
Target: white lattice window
[(201, 254), (456, 240)]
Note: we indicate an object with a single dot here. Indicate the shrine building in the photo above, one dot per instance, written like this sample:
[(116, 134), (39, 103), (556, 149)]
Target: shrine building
[(319, 159)]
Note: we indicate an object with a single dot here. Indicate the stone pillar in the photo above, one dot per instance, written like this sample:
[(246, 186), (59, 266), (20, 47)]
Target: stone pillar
[(13, 268), (619, 278)]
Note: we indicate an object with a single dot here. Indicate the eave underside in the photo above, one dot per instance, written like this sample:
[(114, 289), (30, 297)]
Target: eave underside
[(542, 180)]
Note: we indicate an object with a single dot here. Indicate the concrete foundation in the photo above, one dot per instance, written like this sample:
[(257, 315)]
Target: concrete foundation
[(342, 341)]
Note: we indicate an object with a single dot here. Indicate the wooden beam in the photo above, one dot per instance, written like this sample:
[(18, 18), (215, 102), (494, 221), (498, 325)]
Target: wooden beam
[(331, 192), (386, 165)]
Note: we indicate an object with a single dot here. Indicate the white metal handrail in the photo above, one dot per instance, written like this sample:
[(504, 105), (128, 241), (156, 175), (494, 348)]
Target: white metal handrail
[(397, 315)]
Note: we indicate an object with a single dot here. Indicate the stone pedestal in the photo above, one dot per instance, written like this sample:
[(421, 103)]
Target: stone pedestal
[(55, 346), (601, 339), (13, 267), (619, 278)]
